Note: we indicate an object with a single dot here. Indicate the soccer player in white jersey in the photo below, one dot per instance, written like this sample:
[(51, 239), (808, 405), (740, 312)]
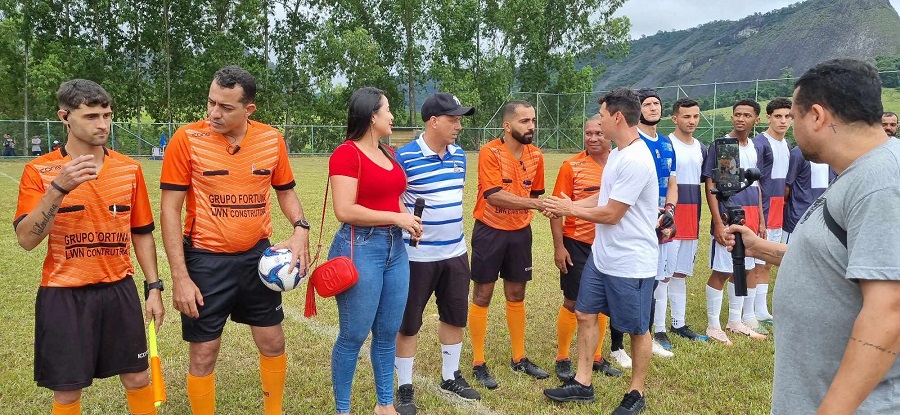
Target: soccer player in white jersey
[(683, 250), (435, 170), (774, 155)]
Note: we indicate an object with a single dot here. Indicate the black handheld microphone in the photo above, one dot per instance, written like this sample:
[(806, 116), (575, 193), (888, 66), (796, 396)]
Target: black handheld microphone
[(420, 207)]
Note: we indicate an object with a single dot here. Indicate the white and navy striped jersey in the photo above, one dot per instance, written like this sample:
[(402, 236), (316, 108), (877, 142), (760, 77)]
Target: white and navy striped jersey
[(440, 182)]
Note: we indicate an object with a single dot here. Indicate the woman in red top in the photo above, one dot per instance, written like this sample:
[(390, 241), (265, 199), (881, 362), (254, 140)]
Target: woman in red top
[(366, 184)]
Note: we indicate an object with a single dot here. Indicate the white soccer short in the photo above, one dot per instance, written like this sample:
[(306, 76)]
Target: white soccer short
[(773, 235), (665, 265), (685, 255), (785, 237), (720, 259)]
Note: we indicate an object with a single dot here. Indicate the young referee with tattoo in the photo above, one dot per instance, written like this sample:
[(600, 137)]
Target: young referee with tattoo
[(91, 204)]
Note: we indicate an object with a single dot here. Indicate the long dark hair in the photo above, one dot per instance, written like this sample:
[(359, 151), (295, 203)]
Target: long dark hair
[(363, 103)]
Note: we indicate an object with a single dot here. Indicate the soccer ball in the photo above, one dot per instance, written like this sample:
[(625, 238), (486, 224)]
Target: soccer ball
[(273, 267)]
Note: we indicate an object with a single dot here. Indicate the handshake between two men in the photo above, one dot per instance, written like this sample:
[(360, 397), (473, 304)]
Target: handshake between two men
[(586, 209)]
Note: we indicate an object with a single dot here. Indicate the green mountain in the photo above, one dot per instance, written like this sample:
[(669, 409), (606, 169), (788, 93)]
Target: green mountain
[(759, 46)]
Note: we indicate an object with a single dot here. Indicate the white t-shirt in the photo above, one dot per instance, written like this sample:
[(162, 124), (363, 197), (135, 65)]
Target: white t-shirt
[(629, 248)]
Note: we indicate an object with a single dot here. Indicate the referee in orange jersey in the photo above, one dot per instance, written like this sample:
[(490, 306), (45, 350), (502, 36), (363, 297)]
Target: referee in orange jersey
[(579, 178), (91, 205), (510, 179), (222, 168)]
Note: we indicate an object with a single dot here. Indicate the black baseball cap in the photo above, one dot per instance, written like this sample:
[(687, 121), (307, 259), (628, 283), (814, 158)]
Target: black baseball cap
[(443, 103)]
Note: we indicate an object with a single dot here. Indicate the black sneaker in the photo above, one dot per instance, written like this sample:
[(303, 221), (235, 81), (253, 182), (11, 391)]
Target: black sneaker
[(686, 332), (571, 391), (663, 339), (531, 369), (459, 387), (564, 370), (632, 403), (405, 397), (604, 367), (484, 377)]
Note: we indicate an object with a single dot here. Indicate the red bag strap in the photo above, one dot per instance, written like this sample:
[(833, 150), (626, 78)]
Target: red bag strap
[(325, 206)]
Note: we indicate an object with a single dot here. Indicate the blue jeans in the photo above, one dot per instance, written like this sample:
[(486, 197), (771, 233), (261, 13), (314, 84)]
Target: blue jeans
[(375, 304)]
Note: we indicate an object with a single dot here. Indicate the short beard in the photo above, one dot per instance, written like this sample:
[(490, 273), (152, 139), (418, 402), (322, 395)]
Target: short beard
[(648, 122), (521, 137)]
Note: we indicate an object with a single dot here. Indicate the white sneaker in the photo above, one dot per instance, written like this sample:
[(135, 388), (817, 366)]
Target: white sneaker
[(621, 358), (659, 351)]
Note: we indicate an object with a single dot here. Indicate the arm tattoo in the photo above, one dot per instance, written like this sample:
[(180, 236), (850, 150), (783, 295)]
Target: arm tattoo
[(39, 227), (879, 348)]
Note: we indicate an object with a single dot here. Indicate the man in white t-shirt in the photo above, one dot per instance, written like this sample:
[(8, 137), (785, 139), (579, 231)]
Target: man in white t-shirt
[(618, 281)]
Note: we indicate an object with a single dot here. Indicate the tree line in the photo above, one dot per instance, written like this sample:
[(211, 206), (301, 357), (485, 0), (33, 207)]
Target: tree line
[(157, 57)]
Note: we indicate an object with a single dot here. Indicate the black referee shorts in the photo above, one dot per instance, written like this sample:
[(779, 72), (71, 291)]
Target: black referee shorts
[(230, 286), (580, 253), (497, 251), (82, 333)]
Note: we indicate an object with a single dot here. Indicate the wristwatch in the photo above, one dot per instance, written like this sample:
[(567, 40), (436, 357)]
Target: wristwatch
[(302, 223), (158, 284)]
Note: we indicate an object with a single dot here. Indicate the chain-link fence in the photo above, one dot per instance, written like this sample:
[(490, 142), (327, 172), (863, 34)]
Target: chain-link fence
[(560, 118)]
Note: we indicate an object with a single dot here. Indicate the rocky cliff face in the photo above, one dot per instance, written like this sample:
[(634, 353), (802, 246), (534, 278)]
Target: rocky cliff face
[(759, 46)]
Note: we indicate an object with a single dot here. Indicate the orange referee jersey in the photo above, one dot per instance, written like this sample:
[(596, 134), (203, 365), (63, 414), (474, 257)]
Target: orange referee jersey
[(579, 177), (228, 196), (499, 169), (90, 240)]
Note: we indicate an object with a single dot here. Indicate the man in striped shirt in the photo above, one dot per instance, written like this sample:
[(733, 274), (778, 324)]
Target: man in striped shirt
[(435, 169)]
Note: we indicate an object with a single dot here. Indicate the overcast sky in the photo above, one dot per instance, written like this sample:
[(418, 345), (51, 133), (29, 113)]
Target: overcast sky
[(650, 16)]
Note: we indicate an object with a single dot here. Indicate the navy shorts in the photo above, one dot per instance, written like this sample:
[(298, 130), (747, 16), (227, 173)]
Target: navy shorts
[(82, 333), (626, 301), (230, 286)]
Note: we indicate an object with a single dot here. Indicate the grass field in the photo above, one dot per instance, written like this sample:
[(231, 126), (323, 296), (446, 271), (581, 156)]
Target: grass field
[(701, 379)]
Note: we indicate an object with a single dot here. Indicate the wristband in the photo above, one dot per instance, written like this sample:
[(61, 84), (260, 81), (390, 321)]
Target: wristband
[(58, 187)]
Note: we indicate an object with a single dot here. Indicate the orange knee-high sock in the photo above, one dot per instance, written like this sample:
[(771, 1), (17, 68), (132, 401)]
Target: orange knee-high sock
[(515, 320), (566, 323), (140, 401), (202, 393), (601, 321), (273, 371), (73, 408), (477, 332)]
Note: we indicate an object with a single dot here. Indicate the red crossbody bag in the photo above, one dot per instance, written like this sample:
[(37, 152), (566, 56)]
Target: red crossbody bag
[(335, 275)]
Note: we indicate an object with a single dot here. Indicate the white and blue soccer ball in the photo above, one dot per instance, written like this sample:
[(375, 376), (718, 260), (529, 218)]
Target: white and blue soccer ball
[(273, 270)]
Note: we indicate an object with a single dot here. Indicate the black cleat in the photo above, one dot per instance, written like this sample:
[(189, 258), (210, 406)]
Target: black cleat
[(484, 377), (571, 391), (633, 403), (531, 369), (604, 367), (405, 404), (564, 370), (686, 332), (459, 387)]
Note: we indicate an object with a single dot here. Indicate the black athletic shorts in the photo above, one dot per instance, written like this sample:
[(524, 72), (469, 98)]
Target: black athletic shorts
[(580, 253), (495, 251), (230, 286), (448, 279), (82, 333)]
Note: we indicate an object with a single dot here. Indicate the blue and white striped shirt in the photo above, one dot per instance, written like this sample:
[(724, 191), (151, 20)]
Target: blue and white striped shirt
[(440, 182)]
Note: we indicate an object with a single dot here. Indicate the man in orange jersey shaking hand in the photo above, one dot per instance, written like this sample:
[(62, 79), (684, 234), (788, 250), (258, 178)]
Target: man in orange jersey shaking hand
[(222, 168), (91, 204), (510, 179)]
